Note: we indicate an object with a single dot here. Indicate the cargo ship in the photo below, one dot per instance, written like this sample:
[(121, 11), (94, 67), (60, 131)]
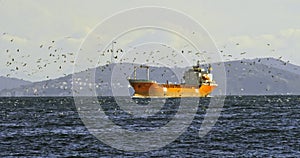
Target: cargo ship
[(198, 83)]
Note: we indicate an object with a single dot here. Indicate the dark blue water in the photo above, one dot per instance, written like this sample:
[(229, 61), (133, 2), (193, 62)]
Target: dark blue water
[(248, 127)]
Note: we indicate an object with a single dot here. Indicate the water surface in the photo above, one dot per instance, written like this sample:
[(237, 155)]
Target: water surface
[(249, 126)]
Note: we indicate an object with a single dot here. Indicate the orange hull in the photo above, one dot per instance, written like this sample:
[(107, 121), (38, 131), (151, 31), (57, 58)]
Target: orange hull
[(148, 88)]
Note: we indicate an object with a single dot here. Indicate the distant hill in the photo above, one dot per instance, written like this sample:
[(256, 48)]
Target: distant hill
[(266, 76), (262, 76), (10, 83)]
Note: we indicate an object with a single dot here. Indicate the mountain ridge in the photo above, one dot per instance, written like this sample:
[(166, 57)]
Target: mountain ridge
[(9, 83)]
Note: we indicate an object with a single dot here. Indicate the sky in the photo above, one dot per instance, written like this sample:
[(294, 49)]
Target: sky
[(41, 39)]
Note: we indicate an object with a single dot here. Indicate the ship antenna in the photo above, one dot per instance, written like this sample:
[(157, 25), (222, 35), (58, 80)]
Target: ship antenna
[(209, 68)]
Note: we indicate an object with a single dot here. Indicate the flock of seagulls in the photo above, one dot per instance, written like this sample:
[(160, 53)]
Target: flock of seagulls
[(57, 57), (17, 59)]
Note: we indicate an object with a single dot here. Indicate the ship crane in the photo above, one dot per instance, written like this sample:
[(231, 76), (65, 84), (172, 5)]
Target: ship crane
[(143, 67)]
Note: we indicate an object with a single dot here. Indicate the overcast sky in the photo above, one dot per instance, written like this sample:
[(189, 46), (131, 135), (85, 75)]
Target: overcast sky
[(39, 39)]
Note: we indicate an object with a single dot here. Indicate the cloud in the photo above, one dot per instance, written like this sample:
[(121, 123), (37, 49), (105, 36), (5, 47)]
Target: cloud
[(13, 39), (290, 33), (283, 43)]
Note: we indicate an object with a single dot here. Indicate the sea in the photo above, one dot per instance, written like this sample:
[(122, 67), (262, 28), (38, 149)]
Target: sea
[(246, 126)]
